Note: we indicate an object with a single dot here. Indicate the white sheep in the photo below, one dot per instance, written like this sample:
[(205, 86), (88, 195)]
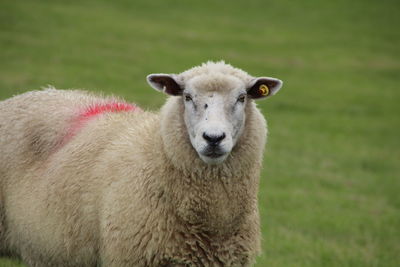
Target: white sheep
[(95, 181)]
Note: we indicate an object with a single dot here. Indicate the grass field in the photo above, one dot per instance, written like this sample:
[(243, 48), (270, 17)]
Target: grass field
[(330, 191)]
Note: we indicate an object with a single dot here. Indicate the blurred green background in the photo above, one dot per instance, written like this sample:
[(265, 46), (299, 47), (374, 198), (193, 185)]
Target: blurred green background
[(330, 190)]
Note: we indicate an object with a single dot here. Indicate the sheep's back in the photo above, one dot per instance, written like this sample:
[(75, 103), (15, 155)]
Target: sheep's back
[(36, 124)]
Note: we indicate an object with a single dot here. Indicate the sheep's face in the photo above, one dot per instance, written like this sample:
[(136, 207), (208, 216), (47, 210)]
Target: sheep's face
[(214, 108), (214, 115)]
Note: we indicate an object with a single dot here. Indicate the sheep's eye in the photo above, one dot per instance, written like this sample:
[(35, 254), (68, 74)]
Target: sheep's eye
[(188, 98), (241, 98)]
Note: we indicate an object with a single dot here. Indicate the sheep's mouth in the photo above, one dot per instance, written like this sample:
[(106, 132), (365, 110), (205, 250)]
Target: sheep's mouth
[(214, 153)]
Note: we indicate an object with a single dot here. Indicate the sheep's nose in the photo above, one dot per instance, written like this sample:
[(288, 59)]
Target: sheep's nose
[(213, 140)]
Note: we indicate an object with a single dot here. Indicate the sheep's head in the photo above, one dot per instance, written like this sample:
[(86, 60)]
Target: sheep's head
[(214, 96)]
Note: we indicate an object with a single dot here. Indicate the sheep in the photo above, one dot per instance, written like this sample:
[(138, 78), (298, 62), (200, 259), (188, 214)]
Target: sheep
[(88, 180)]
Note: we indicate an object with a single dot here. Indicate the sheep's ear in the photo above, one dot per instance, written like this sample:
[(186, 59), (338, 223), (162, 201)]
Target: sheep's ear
[(166, 83), (263, 87)]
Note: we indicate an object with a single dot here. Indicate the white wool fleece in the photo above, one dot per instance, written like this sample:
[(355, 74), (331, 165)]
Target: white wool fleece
[(129, 188)]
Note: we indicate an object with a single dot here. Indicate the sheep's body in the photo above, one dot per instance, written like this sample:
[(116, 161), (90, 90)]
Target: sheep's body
[(127, 189)]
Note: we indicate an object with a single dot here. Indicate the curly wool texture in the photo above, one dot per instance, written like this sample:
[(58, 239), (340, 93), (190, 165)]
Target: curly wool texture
[(127, 189)]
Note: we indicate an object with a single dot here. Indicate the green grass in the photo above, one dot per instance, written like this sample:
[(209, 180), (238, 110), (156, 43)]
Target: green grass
[(330, 185)]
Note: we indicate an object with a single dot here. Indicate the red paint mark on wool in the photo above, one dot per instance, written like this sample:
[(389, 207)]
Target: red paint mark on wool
[(107, 107), (93, 111)]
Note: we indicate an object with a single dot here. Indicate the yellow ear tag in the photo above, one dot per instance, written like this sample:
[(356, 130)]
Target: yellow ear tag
[(263, 89)]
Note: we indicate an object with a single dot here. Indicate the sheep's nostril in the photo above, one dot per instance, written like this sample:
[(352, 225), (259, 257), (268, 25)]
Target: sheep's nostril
[(214, 139)]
